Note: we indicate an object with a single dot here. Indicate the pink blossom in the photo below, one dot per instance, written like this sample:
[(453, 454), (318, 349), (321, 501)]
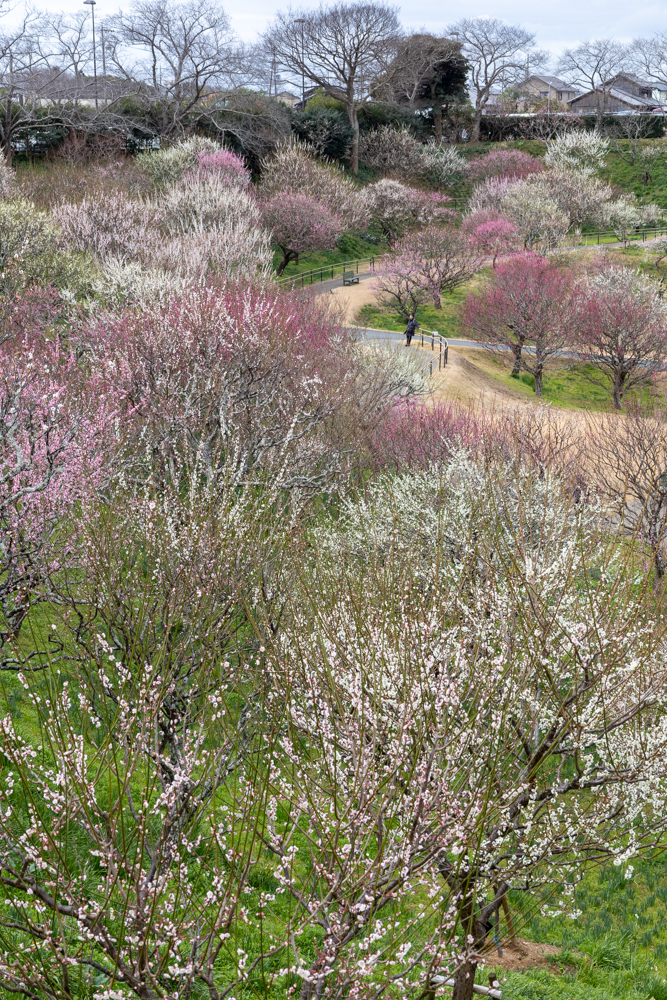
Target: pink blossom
[(299, 224)]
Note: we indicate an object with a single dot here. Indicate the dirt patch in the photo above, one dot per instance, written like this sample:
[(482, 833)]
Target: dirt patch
[(352, 298), (522, 955), (464, 381)]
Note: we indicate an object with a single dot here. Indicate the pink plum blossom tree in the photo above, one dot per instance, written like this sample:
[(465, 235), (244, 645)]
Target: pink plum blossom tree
[(299, 224), (226, 165), (527, 304), (503, 163), (620, 325), (492, 234)]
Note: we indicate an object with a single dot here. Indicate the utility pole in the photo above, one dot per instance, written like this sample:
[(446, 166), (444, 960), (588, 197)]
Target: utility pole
[(104, 64), (302, 21), (91, 4)]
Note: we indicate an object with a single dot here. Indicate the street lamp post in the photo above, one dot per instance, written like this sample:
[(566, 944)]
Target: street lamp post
[(302, 21), (91, 4)]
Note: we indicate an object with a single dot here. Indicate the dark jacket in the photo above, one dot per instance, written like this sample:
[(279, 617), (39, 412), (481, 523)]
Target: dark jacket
[(411, 327)]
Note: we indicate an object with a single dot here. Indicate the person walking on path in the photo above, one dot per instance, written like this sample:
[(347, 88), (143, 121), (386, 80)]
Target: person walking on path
[(412, 326)]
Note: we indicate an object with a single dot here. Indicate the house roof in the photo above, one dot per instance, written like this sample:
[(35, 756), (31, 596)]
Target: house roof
[(621, 95), (551, 81), (630, 76)]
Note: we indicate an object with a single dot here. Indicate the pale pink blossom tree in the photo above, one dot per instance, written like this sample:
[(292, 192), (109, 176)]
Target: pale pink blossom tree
[(447, 259), (503, 163), (397, 209), (398, 283), (620, 328), (528, 304), (492, 233), (299, 224)]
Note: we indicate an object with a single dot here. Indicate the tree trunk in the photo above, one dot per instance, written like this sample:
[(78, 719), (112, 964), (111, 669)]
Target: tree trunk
[(538, 381), (619, 383), (437, 124), (354, 151), (516, 351), (288, 256), (476, 125), (464, 980)]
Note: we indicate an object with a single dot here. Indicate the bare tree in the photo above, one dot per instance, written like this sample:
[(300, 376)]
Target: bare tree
[(495, 53), (342, 48), (630, 131), (187, 55), (594, 64), (649, 57), (628, 456), (24, 78)]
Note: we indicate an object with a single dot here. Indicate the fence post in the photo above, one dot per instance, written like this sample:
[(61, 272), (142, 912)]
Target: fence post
[(422, 338), (446, 353), (430, 369), (432, 343)]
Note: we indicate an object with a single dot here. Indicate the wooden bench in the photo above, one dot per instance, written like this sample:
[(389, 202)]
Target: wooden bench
[(350, 278)]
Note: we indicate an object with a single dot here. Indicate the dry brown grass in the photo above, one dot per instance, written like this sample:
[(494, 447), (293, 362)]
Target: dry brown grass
[(49, 183)]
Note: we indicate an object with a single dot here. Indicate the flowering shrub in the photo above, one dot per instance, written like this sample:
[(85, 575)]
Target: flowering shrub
[(225, 165), (488, 196), (294, 167), (396, 152), (395, 208), (491, 233), (539, 221), (228, 379), (56, 447), (108, 225), (577, 150), (204, 203), (503, 163), (167, 165)]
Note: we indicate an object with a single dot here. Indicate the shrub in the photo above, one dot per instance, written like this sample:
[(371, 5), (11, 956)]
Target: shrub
[(395, 208), (537, 217), (491, 233), (225, 165), (512, 163), (204, 203), (108, 225), (397, 152), (294, 168), (488, 196), (326, 130), (577, 150), (232, 383), (166, 166)]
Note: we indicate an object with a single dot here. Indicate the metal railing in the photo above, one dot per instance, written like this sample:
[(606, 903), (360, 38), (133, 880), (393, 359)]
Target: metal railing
[(607, 235), (443, 348), (330, 271)]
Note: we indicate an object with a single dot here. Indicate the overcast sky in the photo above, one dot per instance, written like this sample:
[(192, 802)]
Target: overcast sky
[(557, 25)]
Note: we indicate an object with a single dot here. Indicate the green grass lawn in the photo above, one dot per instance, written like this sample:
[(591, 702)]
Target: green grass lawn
[(444, 321), (567, 386), (350, 247), (616, 949)]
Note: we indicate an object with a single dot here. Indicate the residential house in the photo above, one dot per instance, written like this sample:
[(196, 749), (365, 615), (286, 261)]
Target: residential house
[(549, 90), (285, 97), (624, 93)]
